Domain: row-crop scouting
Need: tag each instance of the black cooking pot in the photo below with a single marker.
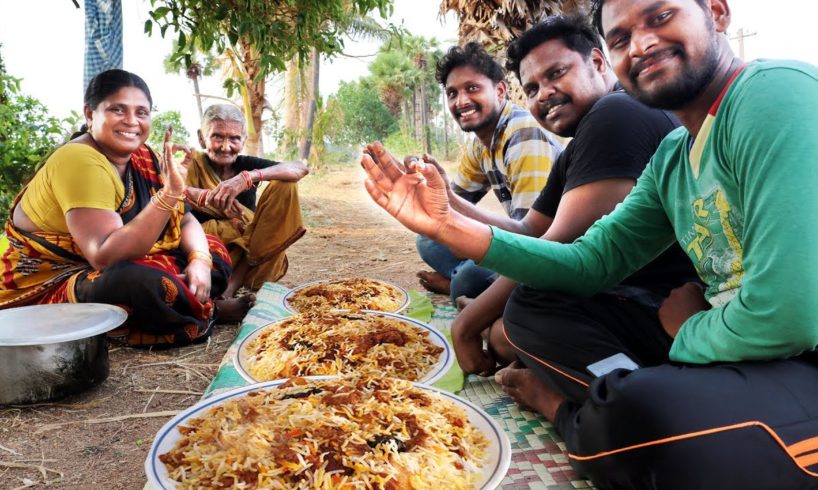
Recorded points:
(49, 351)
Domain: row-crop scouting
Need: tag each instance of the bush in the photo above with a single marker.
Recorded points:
(27, 135)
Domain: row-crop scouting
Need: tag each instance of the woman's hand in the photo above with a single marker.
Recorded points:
(415, 197)
(174, 173)
(224, 195)
(197, 278)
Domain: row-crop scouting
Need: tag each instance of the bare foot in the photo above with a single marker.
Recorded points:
(462, 302)
(234, 310)
(525, 388)
(434, 282)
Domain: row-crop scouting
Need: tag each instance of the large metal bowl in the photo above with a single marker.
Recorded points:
(50, 351)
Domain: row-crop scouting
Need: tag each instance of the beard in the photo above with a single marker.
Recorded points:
(681, 91)
(485, 122)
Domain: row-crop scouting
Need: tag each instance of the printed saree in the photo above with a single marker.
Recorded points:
(44, 268)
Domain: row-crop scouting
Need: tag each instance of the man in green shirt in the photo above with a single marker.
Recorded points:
(737, 187)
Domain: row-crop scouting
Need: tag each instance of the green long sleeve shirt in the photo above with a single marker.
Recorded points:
(742, 200)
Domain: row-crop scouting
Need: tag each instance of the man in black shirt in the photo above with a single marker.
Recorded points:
(572, 91)
(222, 192)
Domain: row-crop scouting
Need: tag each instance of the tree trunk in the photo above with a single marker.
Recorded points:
(292, 106)
(424, 120)
(253, 101)
(306, 142)
(198, 96)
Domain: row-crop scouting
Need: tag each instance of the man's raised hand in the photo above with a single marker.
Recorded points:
(417, 197)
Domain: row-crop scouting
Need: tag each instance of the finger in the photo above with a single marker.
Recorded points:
(376, 194)
(432, 175)
(388, 163)
(375, 174)
(168, 135)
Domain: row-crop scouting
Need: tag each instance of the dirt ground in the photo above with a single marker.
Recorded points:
(99, 439)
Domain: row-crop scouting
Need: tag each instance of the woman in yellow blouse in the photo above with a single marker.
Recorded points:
(104, 221)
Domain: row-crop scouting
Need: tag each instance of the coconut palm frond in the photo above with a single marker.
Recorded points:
(366, 28)
(496, 22)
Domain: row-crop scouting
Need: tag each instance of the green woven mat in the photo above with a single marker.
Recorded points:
(538, 459)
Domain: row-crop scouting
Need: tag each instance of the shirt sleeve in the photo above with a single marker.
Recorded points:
(247, 162)
(771, 147)
(613, 248)
(529, 156)
(81, 179)
(468, 180)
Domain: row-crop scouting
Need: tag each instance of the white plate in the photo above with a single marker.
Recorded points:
(498, 453)
(291, 309)
(438, 370)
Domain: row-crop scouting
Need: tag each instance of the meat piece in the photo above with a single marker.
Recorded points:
(417, 436)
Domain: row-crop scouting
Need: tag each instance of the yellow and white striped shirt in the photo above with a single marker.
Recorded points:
(516, 166)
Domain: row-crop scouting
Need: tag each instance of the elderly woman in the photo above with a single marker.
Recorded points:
(222, 193)
(104, 221)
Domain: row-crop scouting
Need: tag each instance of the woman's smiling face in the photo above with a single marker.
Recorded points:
(120, 123)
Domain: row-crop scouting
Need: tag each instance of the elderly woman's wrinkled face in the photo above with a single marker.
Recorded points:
(121, 122)
(223, 141)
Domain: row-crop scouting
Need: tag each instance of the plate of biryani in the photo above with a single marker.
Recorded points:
(347, 294)
(330, 433)
(336, 342)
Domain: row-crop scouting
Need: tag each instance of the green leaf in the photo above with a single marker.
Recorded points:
(148, 27)
(182, 41)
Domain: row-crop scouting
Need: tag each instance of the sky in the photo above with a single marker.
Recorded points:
(43, 43)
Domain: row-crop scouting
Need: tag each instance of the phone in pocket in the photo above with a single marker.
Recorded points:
(616, 361)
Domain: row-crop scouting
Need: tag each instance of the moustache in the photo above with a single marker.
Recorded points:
(459, 111)
(552, 102)
(652, 58)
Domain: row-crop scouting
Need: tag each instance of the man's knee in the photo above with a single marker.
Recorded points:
(499, 344)
(469, 279)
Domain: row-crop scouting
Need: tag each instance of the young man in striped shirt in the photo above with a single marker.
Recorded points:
(511, 154)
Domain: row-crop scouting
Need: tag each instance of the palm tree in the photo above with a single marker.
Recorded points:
(194, 69)
(301, 86)
(495, 23)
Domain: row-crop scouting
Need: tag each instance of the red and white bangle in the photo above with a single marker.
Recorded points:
(202, 198)
(247, 179)
(257, 174)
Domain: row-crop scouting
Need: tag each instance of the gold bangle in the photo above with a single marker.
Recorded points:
(159, 203)
(198, 254)
(161, 196)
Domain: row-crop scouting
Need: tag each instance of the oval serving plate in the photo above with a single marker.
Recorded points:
(404, 302)
(439, 369)
(498, 453)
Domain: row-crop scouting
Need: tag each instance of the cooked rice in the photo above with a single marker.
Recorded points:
(328, 342)
(342, 433)
(348, 294)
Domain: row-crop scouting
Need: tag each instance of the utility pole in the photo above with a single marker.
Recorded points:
(740, 37)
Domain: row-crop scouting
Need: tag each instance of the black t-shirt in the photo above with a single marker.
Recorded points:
(248, 197)
(615, 140)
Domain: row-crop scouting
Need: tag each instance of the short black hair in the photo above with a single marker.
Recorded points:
(596, 13)
(574, 30)
(473, 55)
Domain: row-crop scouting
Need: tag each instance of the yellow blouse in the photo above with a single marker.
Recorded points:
(74, 176)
